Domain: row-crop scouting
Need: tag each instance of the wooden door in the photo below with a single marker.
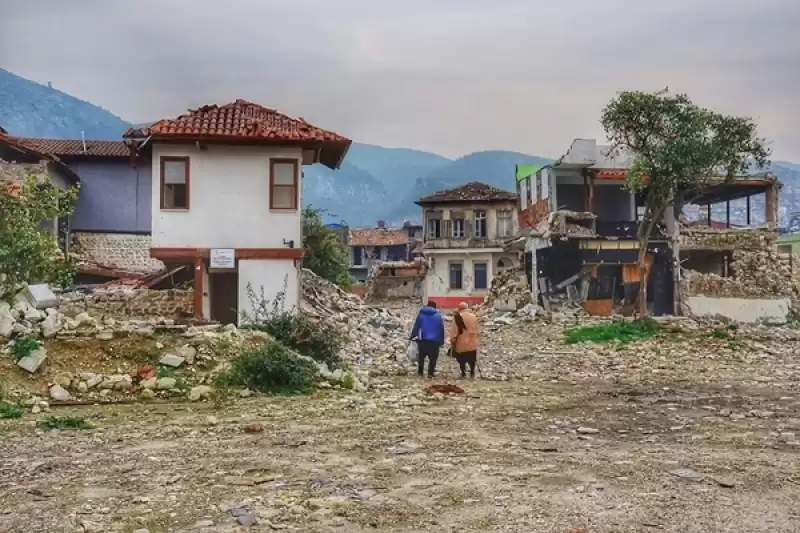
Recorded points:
(224, 296)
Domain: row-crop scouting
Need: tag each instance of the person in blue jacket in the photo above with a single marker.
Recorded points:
(428, 331)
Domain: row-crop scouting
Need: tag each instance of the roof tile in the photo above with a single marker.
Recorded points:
(239, 119)
(378, 237)
(69, 148)
(470, 192)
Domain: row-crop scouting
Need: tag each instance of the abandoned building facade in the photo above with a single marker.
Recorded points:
(580, 224)
(213, 195)
(226, 199)
(465, 229)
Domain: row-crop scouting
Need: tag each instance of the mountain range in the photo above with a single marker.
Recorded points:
(374, 183)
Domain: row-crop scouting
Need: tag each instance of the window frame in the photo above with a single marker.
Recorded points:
(295, 184)
(450, 265)
(162, 179)
(505, 223)
(430, 223)
(480, 215)
(458, 224)
(485, 266)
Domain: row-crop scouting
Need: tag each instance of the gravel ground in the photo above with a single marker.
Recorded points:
(687, 433)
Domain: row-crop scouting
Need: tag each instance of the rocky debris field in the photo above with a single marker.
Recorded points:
(695, 430)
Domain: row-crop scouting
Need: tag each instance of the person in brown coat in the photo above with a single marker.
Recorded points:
(464, 339)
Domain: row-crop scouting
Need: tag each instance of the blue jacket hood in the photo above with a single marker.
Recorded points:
(429, 326)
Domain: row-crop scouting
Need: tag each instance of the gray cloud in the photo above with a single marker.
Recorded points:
(450, 76)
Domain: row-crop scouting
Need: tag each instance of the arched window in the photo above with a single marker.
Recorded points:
(502, 264)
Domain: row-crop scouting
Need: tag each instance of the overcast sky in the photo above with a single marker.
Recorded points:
(448, 76)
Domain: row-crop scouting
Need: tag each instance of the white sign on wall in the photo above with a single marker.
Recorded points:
(223, 258)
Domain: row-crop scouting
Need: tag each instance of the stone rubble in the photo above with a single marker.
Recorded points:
(377, 336)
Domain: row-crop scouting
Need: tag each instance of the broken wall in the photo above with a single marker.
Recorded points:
(727, 239)
(125, 304)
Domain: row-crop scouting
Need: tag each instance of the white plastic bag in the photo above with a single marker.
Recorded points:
(412, 352)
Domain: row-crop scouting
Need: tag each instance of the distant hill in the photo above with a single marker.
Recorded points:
(374, 183)
(29, 109)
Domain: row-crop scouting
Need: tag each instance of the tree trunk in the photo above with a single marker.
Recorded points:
(645, 231)
(641, 298)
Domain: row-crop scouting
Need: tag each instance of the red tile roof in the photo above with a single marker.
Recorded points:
(378, 237)
(71, 148)
(244, 121)
(19, 145)
(471, 192)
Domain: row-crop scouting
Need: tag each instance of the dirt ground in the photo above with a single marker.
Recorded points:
(690, 435)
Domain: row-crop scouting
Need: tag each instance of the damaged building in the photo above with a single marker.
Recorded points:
(579, 225)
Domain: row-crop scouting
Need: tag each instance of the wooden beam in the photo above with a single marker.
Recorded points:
(199, 289)
(190, 254)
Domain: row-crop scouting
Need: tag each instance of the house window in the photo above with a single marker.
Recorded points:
(480, 224)
(456, 275)
(358, 255)
(504, 223)
(458, 228)
(283, 186)
(174, 183)
(481, 276)
(434, 228)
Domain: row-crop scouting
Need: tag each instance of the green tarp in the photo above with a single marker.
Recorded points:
(526, 171)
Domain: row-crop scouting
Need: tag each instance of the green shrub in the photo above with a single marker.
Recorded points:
(271, 368)
(313, 338)
(720, 334)
(9, 410)
(620, 330)
(66, 422)
(23, 348)
(325, 253)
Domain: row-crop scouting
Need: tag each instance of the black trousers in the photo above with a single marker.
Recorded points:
(429, 349)
(467, 358)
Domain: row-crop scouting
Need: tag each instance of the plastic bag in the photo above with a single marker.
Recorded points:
(412, 352)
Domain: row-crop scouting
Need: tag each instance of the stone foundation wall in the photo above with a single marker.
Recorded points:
(125, 304)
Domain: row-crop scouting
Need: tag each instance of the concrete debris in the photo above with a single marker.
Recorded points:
(565, 223)
(58, 393)
(200, 392)
(171, 360)
(376, 335)
(40, 296)
(33, 360)
(509, 291)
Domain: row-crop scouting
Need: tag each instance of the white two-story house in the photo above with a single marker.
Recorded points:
(226, 200)
(465, 231)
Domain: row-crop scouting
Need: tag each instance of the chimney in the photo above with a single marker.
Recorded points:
(381, 224)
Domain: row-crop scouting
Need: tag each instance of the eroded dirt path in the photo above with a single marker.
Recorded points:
(678, 436)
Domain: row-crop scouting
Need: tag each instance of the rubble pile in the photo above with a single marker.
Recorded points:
(509, 289)
(750, 239)
(756, 274)
(571, 224)
(377, 336)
